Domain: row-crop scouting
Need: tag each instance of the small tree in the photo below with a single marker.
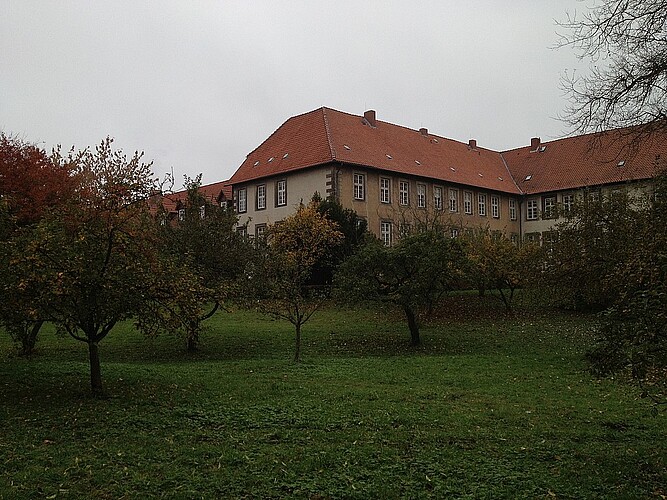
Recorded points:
(98, 257)
(494, 262)
(413, 274)
(282, 272)
(32, 184)
(206, 243)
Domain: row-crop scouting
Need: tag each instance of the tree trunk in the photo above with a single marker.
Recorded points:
(29, 337)
(95, 370)
(413, 325)
(192, 342)
(297, 347)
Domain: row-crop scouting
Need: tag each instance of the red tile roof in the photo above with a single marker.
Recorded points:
(587, 160)
(214, 193)
(326, 135)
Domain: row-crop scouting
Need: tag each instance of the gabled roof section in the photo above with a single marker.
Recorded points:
(588, 160)
(326, 135)
(300, 142)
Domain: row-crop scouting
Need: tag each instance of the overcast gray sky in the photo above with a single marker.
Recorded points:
(197, 85)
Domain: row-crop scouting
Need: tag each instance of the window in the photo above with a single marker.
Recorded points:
(437, 197)
(242, 231)
(404, 193)
(261, 197)
(281, 193)
(532, 237)
(454, 232)
(202, 211)
(531, 210)
(385, 190)
(260, 230)
(512, 209)
(359, 193)
(467, 202)
(385, 232)
(181, 214)
(242, 201)
(481, 204)
(495, 207)
(549, 207)
(568, 203)
(453, 200)
(594, 196)
(421, 195)
(404, 229)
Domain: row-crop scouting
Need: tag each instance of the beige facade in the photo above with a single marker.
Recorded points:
(392, 203)
(265, 201)
(540, 212)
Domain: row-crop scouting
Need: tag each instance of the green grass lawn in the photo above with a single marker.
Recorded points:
(486, 408)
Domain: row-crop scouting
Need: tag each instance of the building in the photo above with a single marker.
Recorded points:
(392, 175)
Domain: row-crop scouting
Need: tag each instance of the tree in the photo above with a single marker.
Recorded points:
(206, 243)
(632, 337)
(493, 261)
(281, 275)
(353, 229)
(596, 238)
(413, 274)
(97, 259)
(626, 41)
(32, 184)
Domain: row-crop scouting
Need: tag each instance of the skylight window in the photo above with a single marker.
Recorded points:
(271, 159)
(285, 155)
(435, 140)
(452, 169)
(500, 178)
(418, 162)
(542, 149)
(621, 163)
(346, 147)
(256, 163)
(480, 174)
(528, 177)
(389, 156)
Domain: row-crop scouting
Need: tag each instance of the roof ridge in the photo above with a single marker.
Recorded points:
(328, 132)
(509, 172)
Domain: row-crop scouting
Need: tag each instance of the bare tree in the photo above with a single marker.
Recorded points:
(626, 44)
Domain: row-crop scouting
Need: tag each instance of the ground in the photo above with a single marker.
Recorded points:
(486, 408)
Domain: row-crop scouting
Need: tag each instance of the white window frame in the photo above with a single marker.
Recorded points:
(549, 207)
(421, 195)
(385, 232)
(512, 209)
(181, 214)
(568, 202)
(281, 193)
(404, 193)
(385, 190)
(495, 207)
(532, 209)
(359, 182)
(467, 202)
(481, 204)
(202, 211)
(437, 197)
(261, 196)
(453, 200)
(242, 200)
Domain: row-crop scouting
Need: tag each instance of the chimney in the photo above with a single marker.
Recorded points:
(369, 116)
(472, 144)
(534, 143)
(423, 131)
